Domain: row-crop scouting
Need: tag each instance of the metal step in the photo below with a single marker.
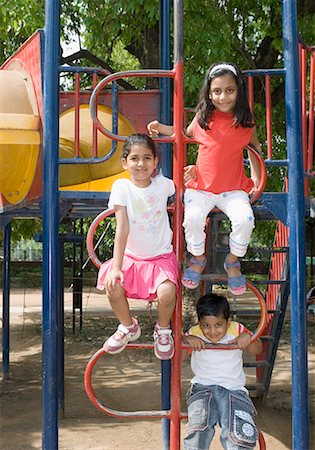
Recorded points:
(267, 338)
(251, 313)
(256, 389)
(221, 278)
(269, 250)
(262, 363)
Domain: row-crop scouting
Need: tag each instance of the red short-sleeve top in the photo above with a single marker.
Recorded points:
(220, 164)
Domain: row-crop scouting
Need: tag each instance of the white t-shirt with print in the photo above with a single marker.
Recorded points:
(219, 367)
(150, 234)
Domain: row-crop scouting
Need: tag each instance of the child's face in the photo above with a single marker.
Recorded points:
(214, 328)
(141, 164)
(223, 93)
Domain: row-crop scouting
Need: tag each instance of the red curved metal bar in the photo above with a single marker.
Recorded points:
(139, 414)
(90, 235)
(158, 73)
(109, 411)
(92, 229)
(261, 440)
(249, 285)
(108, 212)
(263, 173)
(263, 309)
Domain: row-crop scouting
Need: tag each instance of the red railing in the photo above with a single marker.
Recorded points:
(276, 270)
(76, 73)
(307, 77)
(264, 78)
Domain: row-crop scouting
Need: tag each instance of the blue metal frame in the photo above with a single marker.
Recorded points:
(51, 217)
(165, 83)
(6, 302)
(61, 332)
(166, 159)
(296, 213)
(96, 159)
(50, 227)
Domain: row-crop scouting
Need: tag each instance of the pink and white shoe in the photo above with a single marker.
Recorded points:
(118, 341)
(163, 342)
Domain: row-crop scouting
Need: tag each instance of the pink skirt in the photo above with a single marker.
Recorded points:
(142, 277)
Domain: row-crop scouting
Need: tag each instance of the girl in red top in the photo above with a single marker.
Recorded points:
(223, 126)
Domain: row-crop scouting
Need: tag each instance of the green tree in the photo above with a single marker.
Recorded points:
(18, 21)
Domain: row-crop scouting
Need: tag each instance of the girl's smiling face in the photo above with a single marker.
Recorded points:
(141, 164)
(223, 93)
(214, 328)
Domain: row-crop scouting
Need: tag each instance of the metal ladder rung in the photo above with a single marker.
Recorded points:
(245, 313)
(267, 338)
(262, 363)
(257, 387)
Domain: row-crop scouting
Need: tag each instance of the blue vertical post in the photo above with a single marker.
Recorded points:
(165, 117)
(6, 302)
(50, 227)
(300, 429)
(61, 335)
(115, 112)
(165, 83)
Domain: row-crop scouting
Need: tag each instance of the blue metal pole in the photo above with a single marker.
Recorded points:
(61, 335)
(166, 401)
(165, 83)
(296, 213)
(165, 117)
(50, 227)
(115, 112)
(6, 302)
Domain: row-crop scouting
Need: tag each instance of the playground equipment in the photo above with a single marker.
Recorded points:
(164, 414)
(89, 177)
(27, 199)
(21, 130)
(145, 414)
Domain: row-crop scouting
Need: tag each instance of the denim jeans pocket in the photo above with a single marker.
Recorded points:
(242, 427)
(198, 403)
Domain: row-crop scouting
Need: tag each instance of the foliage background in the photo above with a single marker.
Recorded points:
(125, 34)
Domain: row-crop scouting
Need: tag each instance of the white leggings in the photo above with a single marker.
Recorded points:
(235, 204)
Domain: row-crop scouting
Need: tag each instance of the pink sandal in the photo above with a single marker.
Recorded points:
(191, 278)
(236, 285)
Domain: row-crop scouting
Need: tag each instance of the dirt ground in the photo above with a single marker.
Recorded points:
(129, 381)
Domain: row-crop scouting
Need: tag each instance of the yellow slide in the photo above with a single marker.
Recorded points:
(20, 140)
(90, 177)
(19, 135)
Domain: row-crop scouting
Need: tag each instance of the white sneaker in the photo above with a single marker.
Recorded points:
(119, 340)
(163, 342)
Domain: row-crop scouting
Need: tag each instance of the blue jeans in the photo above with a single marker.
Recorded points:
(232, 410)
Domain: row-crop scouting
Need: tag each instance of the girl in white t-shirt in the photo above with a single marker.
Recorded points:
(144, 265)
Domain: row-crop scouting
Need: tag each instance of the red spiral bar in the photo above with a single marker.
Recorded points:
(132, 414)
(263, 173)
(90, 236)
(162, 414)
(109, 411)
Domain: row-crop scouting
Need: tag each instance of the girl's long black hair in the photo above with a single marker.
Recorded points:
(242, 114)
